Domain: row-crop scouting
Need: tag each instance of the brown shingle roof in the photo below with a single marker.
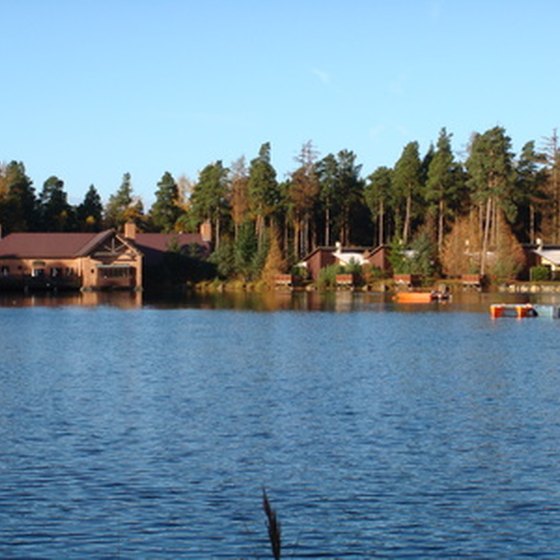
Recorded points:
(71, 245)
(45, 245)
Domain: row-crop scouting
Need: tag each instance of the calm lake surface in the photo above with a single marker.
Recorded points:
(149, 430)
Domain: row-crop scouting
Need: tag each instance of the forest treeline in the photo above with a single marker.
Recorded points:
(467, 215)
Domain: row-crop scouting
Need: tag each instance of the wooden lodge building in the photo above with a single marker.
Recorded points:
(87, 261)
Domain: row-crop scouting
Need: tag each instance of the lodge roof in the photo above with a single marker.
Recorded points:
(43, 245)
(49, 245)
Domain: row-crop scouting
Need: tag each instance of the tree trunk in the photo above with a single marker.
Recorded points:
(327, 226)
(531, 223)
(259, 228)
(217, 232)
(297, 240)
(485, 237)
(381, 233)
(441, 210)
(407, 218)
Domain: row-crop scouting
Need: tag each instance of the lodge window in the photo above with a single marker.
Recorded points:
(116, 272)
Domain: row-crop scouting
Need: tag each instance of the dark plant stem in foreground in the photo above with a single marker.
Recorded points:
(273, 526)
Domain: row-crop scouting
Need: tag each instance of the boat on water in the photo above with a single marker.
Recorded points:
(421, 297)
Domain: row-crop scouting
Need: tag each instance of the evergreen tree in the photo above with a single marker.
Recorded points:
(55, 212)
(491, 177)
(238, 193)
(123, 206)
(377, 195)
(210, 197)
(327, 172)
(552, 157)
(406, 185)
(443, 184)
(90, 211)
(246, 251)
(165, 210)
(18, 204)
(348, 192)
(530, 196)
(263, 190)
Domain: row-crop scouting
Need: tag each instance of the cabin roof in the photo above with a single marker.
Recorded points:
(552, 255)
(336, 249)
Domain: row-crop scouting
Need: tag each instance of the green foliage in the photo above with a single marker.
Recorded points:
(378, 188)
(165, 211)
(420, 258)
(327, 277)
(490, 166)
(223, 258)
(245, 251)
(209, 197)
(406, 185)
(400, 263)
(377, 196)
(424, 255)
(123, 206)
(18, 204)
(262, 186)
(540, 274)
(55, 212)
(300, 272)
(89, 213)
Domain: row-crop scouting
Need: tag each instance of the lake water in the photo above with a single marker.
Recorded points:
(150, 430)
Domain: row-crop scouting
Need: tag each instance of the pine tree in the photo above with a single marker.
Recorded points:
(327, 172)
(491, 177)
(18, 204)
(263, 190)
(406, 184)
(377, 196)
(165, 210)
(123, 206)
(55, 212)
(210, 197)
(90, 211)
(531, 197)
(443, 184)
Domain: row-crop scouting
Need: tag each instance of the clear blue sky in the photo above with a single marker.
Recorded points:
(92, 89)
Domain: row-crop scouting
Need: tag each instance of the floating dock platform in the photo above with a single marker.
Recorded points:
(517, 310)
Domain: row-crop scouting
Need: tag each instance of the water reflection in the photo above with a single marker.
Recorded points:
(124, 300)
(281, 300)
